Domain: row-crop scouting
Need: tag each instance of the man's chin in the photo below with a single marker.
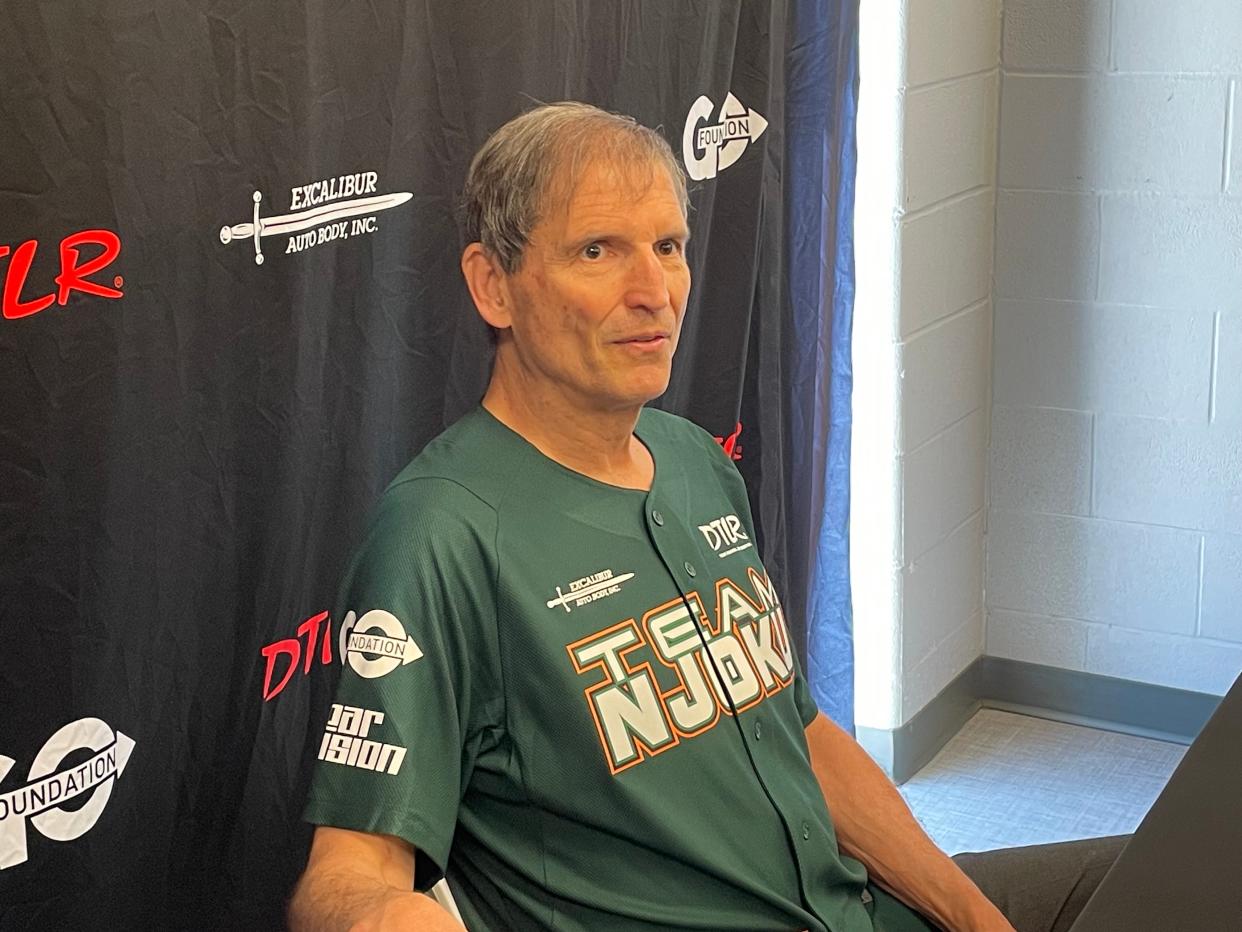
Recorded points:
(650, 390)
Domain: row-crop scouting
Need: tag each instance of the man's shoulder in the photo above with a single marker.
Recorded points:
(446, 497)
(464, 461)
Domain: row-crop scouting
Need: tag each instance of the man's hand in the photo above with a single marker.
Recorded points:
(363, 883)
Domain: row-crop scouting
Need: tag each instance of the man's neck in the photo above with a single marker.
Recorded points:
(598, 444)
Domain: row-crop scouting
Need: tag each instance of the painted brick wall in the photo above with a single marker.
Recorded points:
(945, 249)
(1114, 532)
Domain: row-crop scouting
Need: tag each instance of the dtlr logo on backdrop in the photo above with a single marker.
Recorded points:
(73, 274)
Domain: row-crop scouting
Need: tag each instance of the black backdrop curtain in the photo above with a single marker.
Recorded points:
(231, 313)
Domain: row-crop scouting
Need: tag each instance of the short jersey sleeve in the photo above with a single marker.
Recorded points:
(417, 690)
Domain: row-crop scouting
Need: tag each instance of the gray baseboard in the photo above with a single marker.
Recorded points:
(1046, 692)
(902, 751)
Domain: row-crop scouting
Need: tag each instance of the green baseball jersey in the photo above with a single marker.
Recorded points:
(581, 700)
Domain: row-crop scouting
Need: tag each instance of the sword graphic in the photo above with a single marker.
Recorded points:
(564, 598)
(305, 219)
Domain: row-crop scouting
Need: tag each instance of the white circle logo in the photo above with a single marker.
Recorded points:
(376, 643)
(709, 148)
(41, 799)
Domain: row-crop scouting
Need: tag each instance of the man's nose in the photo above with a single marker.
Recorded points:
(646, 281)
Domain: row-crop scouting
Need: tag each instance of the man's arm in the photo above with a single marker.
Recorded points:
(875, 825)
(362, 883)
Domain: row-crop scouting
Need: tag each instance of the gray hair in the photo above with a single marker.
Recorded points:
(514, 175)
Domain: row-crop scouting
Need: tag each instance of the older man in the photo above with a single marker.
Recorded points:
(560, 689)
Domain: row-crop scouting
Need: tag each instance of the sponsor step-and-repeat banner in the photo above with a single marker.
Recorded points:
(232, 311)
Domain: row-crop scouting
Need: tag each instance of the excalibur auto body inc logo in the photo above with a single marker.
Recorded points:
(48, 789)
(709, 148)
(589, 589)
(319, 215)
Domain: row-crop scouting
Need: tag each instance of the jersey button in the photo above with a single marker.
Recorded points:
(758, 730)
(690, 568)
(806, 831)
(657, 518)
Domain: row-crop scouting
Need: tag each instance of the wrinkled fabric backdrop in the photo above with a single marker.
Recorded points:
(191, 438)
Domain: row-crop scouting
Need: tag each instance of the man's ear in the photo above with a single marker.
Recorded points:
(489, 286)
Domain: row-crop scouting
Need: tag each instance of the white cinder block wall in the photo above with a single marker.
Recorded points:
(925, 214)
(945, 334)
(1114, 539)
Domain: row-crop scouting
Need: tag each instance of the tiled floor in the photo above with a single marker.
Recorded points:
(1008, 779)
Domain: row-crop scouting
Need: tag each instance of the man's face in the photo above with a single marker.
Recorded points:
(601, 292)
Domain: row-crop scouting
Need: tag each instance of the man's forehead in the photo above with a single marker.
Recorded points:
(603, 185)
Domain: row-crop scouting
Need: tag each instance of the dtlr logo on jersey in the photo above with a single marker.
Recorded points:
(376, 643)
(345, 741)
(725, 532)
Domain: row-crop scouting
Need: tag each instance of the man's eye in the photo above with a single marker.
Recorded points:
(669, 247)
(593, 251)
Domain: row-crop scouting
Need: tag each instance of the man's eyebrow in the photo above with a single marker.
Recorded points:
(578, 240)
(680, 232)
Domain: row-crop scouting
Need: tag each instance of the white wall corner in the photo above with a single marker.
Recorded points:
(875, 468)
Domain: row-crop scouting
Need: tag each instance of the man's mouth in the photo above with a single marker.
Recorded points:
(645, 340)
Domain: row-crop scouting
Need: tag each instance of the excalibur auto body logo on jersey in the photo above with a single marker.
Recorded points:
(589, 589)
(326, 211)
(376, 643)
(48, 789)
(710, 147)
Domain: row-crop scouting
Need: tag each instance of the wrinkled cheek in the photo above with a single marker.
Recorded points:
(568, 319)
